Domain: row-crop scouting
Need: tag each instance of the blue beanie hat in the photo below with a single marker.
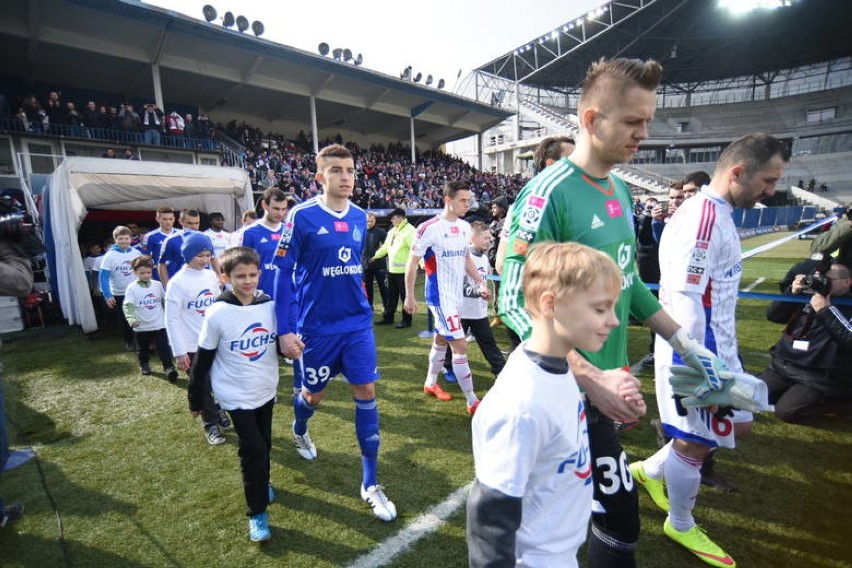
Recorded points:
(193, 244)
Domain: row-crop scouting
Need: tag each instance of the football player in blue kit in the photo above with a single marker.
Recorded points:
(264, 235)
(323, 313)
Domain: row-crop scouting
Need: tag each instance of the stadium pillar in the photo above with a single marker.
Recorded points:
(158, 86)
(479, 137)
(313, 100)
(517, 112)
(413, 155)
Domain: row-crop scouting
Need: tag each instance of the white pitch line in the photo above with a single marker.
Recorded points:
(754, 284)
(420, 527)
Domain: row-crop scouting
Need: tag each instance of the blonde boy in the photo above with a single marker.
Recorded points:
(532, 497)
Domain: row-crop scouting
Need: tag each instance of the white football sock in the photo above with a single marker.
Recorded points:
(654, 465)
(683, 479)
(462, 370)
(437, 354)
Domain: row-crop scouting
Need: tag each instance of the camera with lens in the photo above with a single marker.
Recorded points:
(15, 222)
(817, 282)
(17, 228)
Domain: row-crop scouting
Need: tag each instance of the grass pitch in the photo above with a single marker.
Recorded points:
(125, 476)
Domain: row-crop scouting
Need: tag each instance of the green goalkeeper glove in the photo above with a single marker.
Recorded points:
(739, 390)
(706, 363)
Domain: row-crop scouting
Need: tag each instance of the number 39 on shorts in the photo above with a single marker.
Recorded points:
(314, 376)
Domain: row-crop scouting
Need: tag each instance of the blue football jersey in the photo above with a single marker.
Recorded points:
(153, 243)
(323, 248)
(170, 253)
(265, 242)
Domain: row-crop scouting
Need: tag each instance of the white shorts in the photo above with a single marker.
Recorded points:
(447, 322)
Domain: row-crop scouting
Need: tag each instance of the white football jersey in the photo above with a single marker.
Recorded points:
(700, 255)
(220, 240)
(444, 246)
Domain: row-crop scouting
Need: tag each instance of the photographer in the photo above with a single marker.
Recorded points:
(812, 362)
(16, 279)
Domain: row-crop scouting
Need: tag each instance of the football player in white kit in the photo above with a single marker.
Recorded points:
(443, 242)
(700, 267)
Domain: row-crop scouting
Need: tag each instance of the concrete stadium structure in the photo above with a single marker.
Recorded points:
(786, 71)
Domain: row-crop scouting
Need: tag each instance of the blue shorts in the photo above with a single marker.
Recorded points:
(326, 356)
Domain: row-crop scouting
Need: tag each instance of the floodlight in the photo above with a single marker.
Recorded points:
(740, 7)
(359, 60)
(418, 77)
(347, 54)
(209, 12)
(441, 83)
(323, 49)
(242, 23)
(337, 53)
(428, 79)
(406, 74)
(257, 28)
(228, 20)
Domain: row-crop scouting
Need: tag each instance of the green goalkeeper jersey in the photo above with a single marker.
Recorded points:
(564, 204)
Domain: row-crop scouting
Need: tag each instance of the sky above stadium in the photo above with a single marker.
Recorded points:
(441, 37)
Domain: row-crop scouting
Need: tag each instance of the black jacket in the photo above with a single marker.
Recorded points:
(375, 237)
(817, 341)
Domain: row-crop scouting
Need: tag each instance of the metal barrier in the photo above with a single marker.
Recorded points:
(118, 136)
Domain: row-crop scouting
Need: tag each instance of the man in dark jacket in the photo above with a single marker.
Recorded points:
(812, 362)
(499, 208)
(375, 269)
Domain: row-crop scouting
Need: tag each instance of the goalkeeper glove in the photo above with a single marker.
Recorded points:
(701, 359)
(740, 390)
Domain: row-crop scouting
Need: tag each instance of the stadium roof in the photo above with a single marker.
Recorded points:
(112, 45)
(694, 40)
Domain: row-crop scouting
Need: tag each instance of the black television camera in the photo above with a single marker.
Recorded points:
(17, 228)
(14, 220)
(817, 282)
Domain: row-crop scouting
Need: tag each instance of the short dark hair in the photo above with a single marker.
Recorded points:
(141, 261)
(274, 193)
(451, 188)
(699, 178)
(217, 215)
(238, 255)
(753, 150)
(550, 149)
(190, 213)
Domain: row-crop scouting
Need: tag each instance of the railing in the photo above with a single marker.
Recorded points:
(125, 137)
(233, 153)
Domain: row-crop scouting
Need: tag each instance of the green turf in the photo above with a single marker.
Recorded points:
(135, 484)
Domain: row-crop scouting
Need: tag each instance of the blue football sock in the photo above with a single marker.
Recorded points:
(367, 431)
(297, 374)
(302, 411)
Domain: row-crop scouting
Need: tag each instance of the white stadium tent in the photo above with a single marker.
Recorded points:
(80, 184)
